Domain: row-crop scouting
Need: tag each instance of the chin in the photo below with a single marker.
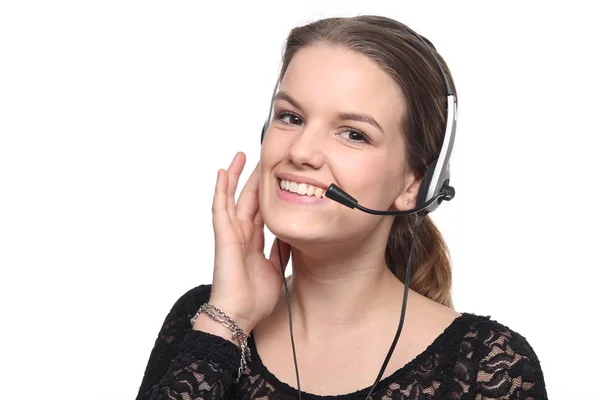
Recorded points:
(295, 227)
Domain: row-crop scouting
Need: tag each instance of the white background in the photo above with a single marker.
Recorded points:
(116, 115)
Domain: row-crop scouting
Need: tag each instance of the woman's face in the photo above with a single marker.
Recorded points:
(336, 119)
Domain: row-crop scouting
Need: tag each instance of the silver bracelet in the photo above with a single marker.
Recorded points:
(237, 333)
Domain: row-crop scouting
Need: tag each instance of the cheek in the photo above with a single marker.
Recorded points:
(373, 181)
(273, 148)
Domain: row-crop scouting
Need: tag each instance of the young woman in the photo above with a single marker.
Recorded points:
(361, 103)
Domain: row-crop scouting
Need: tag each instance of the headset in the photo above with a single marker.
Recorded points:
(434, 189)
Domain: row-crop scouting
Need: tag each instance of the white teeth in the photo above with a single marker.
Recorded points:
(302, 189)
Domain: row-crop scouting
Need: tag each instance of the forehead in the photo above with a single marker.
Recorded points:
(333, 78)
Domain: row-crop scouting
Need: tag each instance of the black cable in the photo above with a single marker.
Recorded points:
(287, 298)
(404, 302)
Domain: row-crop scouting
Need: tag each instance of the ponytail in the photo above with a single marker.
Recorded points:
(431, 274)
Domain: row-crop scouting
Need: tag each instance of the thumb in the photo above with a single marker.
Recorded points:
(285, 249)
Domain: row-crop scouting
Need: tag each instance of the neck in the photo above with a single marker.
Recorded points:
(338, 291)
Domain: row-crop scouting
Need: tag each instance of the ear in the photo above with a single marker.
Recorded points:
(409, 194)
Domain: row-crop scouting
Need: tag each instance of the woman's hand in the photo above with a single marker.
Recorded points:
(246, 285)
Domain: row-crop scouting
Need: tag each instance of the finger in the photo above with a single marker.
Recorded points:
(285, 254)
(219, 206)
(233, 172)
(248, 201)
(258, 238)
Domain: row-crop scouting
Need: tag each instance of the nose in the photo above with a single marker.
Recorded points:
(307, 148)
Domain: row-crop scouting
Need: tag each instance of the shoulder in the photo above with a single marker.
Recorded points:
(492, 339)
(501, 361)
(190, 301)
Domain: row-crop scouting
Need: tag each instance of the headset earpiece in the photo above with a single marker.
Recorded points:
(425, 184)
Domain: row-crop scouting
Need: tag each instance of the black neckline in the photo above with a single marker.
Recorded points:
(441, 342)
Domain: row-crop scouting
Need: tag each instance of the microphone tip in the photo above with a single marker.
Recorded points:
(335, 193)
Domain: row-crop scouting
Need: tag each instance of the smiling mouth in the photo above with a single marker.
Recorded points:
(301, 189)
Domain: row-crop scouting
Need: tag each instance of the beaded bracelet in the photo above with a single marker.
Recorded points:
(236, 333)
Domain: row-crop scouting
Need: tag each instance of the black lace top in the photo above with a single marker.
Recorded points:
(474, 358)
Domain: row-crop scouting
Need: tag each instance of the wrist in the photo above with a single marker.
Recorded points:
(246, 324)
(238, 336)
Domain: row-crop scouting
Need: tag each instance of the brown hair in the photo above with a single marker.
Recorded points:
(398, 50)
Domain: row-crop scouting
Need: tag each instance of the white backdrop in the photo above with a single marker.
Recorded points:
(116, 115)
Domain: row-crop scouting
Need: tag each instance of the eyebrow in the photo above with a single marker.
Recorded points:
(347, 116)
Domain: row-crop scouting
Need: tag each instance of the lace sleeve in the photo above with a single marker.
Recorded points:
(508, 367)
(188, 364)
